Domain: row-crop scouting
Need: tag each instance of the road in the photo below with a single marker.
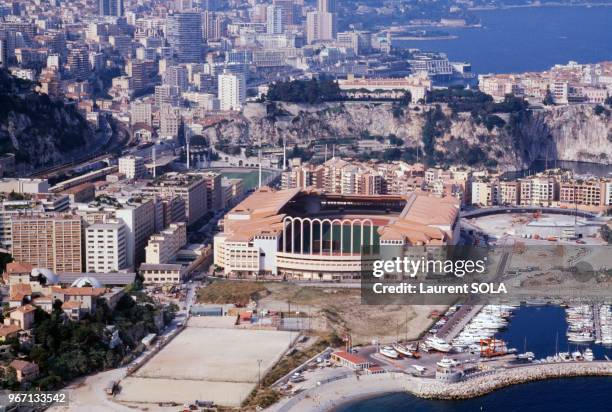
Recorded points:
(88, 393)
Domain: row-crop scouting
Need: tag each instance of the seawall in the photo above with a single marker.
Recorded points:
(328, 396)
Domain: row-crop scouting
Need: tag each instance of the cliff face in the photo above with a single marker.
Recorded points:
(572, 133)
(40, 132)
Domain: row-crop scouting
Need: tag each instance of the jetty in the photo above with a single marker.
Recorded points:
(597, 323)
(458, 321)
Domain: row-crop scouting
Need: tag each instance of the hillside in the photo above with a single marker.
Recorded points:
(40, 132)
(510, 137)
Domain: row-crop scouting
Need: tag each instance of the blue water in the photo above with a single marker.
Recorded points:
(560, 395)
(526, 39)
(544, 326)
(541, 325)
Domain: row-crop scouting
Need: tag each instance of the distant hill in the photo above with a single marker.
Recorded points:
(38, 130)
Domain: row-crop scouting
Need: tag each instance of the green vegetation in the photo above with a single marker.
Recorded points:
(549, 100)
(297, 151)
(484, 111)
(599, 110)
(65, 350)
(5, 258)
(304, 91)
(433, 128)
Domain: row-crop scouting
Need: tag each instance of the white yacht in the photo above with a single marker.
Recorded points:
(577, 356)
(588, 355)
(403, 350)
(438, 344)
(580, 337)
(389, 352)
(446, 363)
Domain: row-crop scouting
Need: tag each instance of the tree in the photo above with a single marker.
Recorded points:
(548, 98)
(406, 99)
(8, 377)
(599, 110)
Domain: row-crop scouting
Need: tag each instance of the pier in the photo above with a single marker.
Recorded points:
(458, 321)
(597, 323)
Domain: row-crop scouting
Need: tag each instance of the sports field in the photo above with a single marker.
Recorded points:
(206, 363)
(250, 179)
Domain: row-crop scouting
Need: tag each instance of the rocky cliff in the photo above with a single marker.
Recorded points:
(574, 133)
(39, 131)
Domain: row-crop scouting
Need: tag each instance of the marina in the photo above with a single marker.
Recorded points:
(493, 346)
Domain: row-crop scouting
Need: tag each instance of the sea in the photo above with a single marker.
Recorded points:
(528, 39)
(541, 329)
(519, 40)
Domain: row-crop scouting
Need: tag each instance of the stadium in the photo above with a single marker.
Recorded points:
(305, 234)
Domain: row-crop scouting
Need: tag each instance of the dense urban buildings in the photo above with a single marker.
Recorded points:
(218, 177)
(563, 84)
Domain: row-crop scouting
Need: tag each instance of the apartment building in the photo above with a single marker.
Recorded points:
(583, 192)
(132, 167)
(485, 193)
(232, 91)
(538, 191)
(190, 187)
(141, 221)
(106, 247)
(509, 192)
(164, 246)
(51, 241)
(214, 195)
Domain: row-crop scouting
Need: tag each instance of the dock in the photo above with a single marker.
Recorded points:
(597, 323)
(458, 321)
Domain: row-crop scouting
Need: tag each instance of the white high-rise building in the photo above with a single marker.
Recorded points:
(320, 25)
(140, 222)
(232, 91)
(327, 6)
(106, 247)
(140, 112)
(164, 246)
(131, 166)
(274, 20)
(169, 121)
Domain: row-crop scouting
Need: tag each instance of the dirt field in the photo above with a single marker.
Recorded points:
(340, 310)
(219, 365)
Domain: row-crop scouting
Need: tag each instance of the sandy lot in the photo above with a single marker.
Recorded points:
(208, 363)
(152, 391)
(340, 310)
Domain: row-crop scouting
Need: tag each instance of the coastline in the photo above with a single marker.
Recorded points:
(331, 396)
(417, 38)
(537, 6)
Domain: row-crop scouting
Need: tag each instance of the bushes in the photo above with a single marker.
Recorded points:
(304, 91)
(66, 350)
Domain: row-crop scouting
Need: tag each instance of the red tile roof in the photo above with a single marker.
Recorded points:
(356, 359)
(7, 330)
(18, 267)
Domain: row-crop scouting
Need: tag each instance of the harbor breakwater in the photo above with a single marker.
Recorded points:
(487, 382)
(331, 395)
